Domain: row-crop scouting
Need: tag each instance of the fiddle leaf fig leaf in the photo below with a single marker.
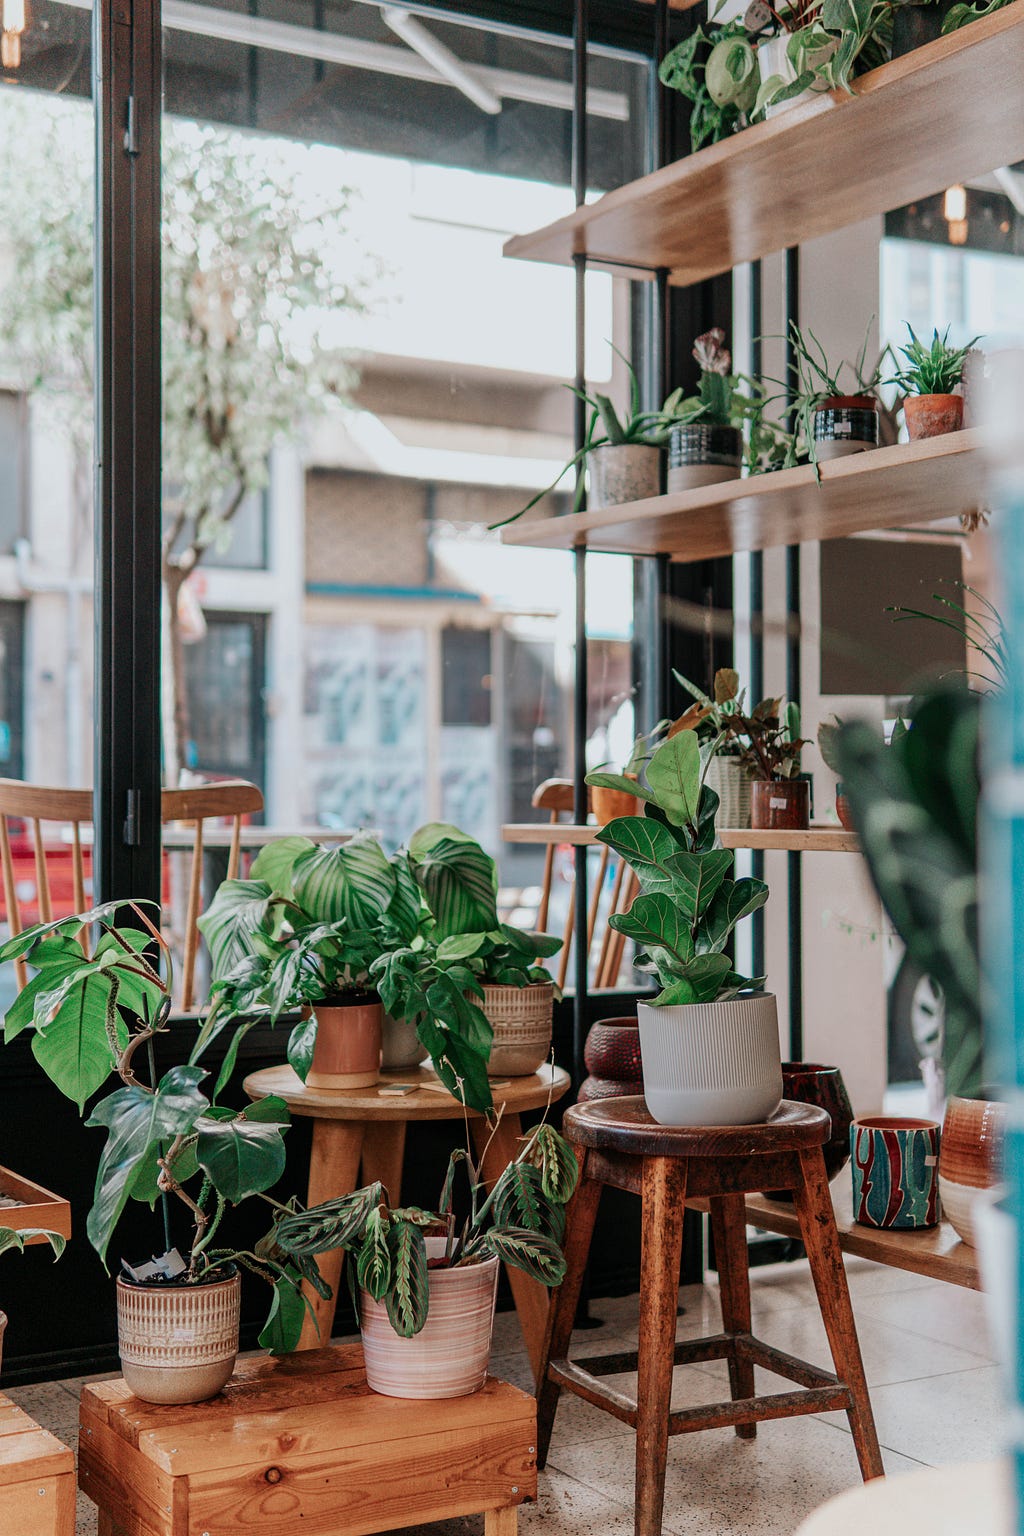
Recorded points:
(674, 776)
(656, 922)
(646, 845)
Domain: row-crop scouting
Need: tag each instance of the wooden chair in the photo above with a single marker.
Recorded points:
(556, 797)
(53, 894)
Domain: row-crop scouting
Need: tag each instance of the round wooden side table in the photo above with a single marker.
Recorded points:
(365, 1128)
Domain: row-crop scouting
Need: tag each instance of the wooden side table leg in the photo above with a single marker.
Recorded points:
(729, 1229)
(502, 1522)
(579, 1228)
(383, 1155)
(333, 1170)
(532, 1299)
(818, 1229)
(664, 1194)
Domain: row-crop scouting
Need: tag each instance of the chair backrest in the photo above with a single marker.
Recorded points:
(49, 879)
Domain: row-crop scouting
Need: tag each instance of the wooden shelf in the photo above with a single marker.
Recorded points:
(934, 1251)
(40, 1207)
(880, 488)
(813, 840)
(942, 114)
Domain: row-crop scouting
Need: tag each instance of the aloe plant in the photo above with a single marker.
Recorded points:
(689, 904)
(521, 1222)
(934, 368)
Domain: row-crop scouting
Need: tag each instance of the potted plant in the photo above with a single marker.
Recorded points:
(727, 772)
(930, 380)
(91, 1015)
(764, 744)
(607, 800)
(834, 423)
(427, 1280)
(466, 965)
(717, 71)
(17, 1240)
(828, 737)
(709, 1040)
(818, 47)
(705, 430)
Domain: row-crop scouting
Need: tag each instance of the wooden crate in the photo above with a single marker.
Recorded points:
(300, 1442)
(42, 1208)
(37, 1478)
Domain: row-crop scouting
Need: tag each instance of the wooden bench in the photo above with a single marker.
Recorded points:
(299, 1442)
(37, 1477)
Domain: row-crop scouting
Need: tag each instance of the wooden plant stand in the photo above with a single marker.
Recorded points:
(299, 1442)
(37, 1477)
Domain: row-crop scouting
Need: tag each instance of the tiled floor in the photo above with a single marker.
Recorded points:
(934, 1388)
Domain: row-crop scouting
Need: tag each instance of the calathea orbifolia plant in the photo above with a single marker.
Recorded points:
(689, 904)
(521, 1222)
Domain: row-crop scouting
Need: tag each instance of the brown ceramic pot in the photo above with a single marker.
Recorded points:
(933, 415)
(178, 1343)
(612, 1057)
(782, 805)
(843, 810)
(348, 1045)
(808, 1082)
(521, 1020)
(608, 804)
(970, 1158)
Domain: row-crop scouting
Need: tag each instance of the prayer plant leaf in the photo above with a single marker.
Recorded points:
(409, 1292)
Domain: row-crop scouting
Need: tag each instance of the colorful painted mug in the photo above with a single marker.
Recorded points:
(895, 1171)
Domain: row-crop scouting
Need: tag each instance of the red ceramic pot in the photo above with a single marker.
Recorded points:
(808, 1082)
(612, 1056)
(780, 805)
(933, 415)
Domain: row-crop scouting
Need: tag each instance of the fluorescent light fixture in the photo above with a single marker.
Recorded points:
(448, 65)
(354, 53)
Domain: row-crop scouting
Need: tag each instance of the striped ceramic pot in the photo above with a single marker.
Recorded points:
(521, 1020)
(895, 1171)
(450, 1354)
(712, 1063)
(178, 1343)
(728, 778)
(970, 1158)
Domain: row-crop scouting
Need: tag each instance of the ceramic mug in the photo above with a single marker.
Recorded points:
(895, 1171)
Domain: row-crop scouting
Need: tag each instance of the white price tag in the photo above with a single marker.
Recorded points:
(777, 805)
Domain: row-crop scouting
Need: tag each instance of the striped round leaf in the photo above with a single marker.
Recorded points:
(354, 881)
(240, 910)
(275, 863)
(408, 1295)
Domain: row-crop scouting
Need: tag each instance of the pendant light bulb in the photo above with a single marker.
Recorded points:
(12, 25)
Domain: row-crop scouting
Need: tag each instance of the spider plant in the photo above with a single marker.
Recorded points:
(985, 635)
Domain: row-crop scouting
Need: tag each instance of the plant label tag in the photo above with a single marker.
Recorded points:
(757, 16)
(777, 805)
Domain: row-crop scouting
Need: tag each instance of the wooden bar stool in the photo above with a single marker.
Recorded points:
(618, 1143)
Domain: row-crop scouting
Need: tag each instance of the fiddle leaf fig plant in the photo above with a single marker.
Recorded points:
(689, 904)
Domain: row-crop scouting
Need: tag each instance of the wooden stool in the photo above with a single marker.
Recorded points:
(618, 1143)
(37, 1477)
(299, 1442)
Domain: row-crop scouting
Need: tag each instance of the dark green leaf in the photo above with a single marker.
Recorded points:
(408, 1295)
(241, 1157)
(532, 1252)
(301, 1044)
(283, 1327)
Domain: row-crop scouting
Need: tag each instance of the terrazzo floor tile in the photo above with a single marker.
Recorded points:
(936, 1311)
(940, 1419)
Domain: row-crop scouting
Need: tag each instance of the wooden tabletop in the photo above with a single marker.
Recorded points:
(821, 839)
(426, 1103)
(184, 835)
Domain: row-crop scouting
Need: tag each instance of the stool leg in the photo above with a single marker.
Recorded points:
(333, 1170)
(579, 1228)
(664, 1192)
(729, 1229)
(818, 1229)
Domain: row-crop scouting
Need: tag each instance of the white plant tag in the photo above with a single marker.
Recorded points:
(777, 805)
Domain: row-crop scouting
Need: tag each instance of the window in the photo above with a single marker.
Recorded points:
(13, 468)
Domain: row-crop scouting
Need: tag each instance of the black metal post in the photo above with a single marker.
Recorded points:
(757, 606)
(580, 698)
(127, 90)
(794, 870)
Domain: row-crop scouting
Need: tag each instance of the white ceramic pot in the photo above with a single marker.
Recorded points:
(400, 1046)
(450, 1354)
(178, 1342)
(621, 472)
(521, 1020)
(726, 776)
(773, 59)
(712, 1063)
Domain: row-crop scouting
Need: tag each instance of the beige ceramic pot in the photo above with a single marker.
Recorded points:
(348, 1046)
(970, 1158)
(621, 472)
(400, 1045)
(521, 1020)
(178, 1342)
(449, 1356)
(728, 778)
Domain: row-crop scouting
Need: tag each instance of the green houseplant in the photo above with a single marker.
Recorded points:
(427, 1279)
(765, 743)
(716, 70)
(928, 379)
(709, 1039)
(706, 430)
(831, 423)
(90, 1015)
(819, 47)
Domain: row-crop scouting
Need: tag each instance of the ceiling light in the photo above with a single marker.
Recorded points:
(12, 25)
(954, 207)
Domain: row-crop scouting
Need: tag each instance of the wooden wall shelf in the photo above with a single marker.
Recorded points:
(41, 1208)
(939, 115)
(881, 488)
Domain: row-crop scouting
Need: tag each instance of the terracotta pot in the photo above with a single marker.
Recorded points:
(178, 1342)
(808, 1082)
(845, 424)
(450, 1354)
(400, 1046)
(348, 1045)
(933, 415)
(970, 1158)
(712, 1063)
(612, 1057)
(608, 804)
(728, 778)
(621, 472)
(521, 1020)
(781, 805)
(843, 810)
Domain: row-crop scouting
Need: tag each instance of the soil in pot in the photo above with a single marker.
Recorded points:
(178, 1343)
(621, 472)
(348, 1042)
(845, 424)
(699, 454)
(712, 1063)
(450, 1354)
(780, 805)
(970, 1158)
(521, 1020)
(612, 1057)
(809, 1082)
(933, 415)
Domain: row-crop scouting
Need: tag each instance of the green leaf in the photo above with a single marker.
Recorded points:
(275, 863)
(373, 1266)
(701, 984)
(137, 1121)
(674, 775)
(599, 780)
(519, 1200)
(734, 900)
(301, 1044)
(238, 912)
(459, 946)
(646, 845)
(549, 1152)
(408, 1295)
(696, 877)
(657, 921)
(536, 1255)
(281, 1332)
(353, 881)
(72, 1044)
(459, 880)
(241, 1157)
(18, 1239)
(405, 909)
(333, 1224)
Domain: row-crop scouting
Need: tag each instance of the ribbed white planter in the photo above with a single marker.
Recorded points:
(521, 1020)
(712, 1063)
(450, 1354)
(727, 777)
(178, 1342)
